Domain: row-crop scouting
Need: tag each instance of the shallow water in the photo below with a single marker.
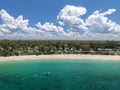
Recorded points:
(60, 75)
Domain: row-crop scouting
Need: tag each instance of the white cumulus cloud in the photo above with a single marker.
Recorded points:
(49, 27)
(10, 23)
(71, 26)
(99, 23)
(69, 16)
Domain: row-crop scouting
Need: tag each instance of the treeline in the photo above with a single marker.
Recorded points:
(21, 47)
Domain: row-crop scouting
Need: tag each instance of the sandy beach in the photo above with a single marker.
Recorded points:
(65, 56)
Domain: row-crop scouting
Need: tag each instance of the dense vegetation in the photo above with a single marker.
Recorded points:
(19, 47)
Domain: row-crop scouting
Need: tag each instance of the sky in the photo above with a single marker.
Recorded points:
(60, 19)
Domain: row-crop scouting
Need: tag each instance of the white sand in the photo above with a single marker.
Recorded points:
(65, 56)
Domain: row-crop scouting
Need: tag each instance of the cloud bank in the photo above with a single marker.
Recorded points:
(71, 25)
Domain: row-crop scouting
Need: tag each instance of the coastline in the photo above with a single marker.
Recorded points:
(61, 56)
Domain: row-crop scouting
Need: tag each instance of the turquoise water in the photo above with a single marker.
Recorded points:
(60, 75)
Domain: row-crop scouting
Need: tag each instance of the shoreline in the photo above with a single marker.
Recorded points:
(61, 56)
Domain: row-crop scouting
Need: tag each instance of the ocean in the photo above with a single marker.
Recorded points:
(60, 75)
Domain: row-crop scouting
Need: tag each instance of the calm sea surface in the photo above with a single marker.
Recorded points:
(60, 75)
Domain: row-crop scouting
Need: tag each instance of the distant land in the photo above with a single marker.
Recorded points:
(48, 47)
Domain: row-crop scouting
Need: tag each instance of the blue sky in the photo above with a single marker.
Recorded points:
(46, 19)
